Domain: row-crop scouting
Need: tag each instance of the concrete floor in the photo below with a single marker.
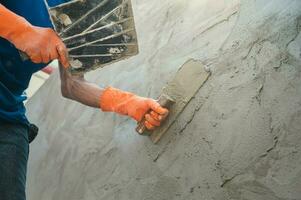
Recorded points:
(239, 138)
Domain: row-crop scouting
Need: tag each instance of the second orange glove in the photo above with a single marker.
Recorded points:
(125, 103)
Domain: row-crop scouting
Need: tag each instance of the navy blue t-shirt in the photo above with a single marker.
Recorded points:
(15, 74)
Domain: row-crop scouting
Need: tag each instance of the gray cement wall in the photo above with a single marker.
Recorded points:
(239, 138)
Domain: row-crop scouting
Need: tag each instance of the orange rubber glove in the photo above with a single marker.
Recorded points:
(41, 45)
(125, 103)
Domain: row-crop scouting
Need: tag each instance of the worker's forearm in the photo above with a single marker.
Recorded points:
(82, 91)
(76, 88)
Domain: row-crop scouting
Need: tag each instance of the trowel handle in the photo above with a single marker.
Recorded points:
(166, 102)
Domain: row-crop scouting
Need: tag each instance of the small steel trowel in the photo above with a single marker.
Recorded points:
(177, 94)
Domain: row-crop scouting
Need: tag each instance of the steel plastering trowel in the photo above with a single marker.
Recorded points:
(96, 32)
(177, 94)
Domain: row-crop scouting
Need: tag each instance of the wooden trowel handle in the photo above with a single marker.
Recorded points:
(166, 102)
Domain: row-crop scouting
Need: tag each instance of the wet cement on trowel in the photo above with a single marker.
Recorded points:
(238, 138)
(182, 88)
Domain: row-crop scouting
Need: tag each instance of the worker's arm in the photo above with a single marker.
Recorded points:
(42, 45)
(111, 99)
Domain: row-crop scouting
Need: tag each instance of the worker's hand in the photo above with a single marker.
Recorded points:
(114, 100)
(137, 107)
(41, 45)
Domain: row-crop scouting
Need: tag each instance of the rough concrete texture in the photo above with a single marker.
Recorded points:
(239, 138)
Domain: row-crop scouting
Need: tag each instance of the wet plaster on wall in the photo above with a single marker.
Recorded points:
(239, 138)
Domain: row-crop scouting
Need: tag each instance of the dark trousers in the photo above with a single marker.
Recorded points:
(14, 150)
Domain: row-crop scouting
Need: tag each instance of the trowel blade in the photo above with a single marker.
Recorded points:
(187, 81)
